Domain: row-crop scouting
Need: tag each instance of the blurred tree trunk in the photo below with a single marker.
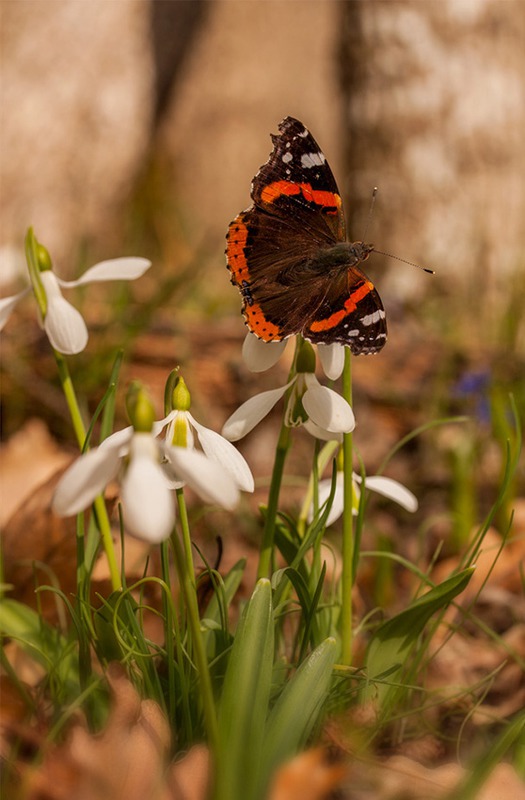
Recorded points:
(434, 111)
(174, 27)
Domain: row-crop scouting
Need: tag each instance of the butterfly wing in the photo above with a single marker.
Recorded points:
(268, 257)
(297, 174)
(351, 313)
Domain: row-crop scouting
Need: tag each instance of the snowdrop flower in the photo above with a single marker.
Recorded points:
(63, 324)
(147, 469)
(259, 355)
(133, 456)
(324, 413)
(220, 454)
(377, 483)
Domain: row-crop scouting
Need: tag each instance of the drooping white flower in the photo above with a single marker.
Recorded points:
(260, 356)
(63, 324)
(135, 459)
(148, 468)
(324, 413)
(387, 487)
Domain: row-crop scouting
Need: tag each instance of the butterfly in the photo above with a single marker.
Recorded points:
(289, 258)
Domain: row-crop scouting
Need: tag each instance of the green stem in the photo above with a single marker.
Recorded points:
(347, 577)
(265, 557)
(168, 627)
(184, 566)
(99, 504)
(186, 537)
(283, 443)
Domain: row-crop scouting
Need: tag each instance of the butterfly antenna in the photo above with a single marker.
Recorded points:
(404, 260)
(380, 252)
(370, 212)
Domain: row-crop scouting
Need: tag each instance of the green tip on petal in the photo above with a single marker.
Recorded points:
(140, 408)
(180, 398)
(43, 258)
(306, 358)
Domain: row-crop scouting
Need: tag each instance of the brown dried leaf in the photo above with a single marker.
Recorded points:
(28, 460)
(125, 762)
(39, 548)
(309, 776)
(189, 777)
(401, 777)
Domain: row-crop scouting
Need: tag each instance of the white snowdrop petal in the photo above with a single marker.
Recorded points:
(63, 324)
(114, 269)
(7, 305)
(324, 493)
(328, 409)
(260, 356)
(320, 433)
(251, 413)
(159, 425)
(147, 502)
(119, 440)
(206, 477)
(223, 452)
(393, 490)
(85, 479)
(332, 357)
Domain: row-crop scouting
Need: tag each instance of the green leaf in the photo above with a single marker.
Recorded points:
(298, 707)
(391, 644)
(244, 702)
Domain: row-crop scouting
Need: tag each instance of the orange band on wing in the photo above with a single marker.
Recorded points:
(273, 191)
(258, 323)
(237, 238)
(349, 306)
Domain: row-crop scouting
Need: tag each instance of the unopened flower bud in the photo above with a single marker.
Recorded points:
(181, 398)
(306, 358)
(140, 408)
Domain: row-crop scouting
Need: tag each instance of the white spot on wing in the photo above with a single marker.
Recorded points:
(287, 157)
(312, 160)
(370, 319)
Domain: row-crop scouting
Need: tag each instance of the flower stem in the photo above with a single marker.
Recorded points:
(348, 533)
(283, 443)
(101, 513)
(184, 565)
(265, 557)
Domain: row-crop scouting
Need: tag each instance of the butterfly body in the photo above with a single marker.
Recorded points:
(289, 258)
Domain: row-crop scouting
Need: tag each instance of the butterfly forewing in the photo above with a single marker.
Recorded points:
(298, 174)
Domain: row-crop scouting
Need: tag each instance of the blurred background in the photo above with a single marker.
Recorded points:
(136, 128)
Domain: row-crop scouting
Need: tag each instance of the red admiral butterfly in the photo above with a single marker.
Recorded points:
(289, 258)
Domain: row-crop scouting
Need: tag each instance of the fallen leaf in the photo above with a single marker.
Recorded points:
(308, 776)
(126, 761)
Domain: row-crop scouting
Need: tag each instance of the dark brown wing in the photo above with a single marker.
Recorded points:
(268, 258)
(351, 313)
(297, 174)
